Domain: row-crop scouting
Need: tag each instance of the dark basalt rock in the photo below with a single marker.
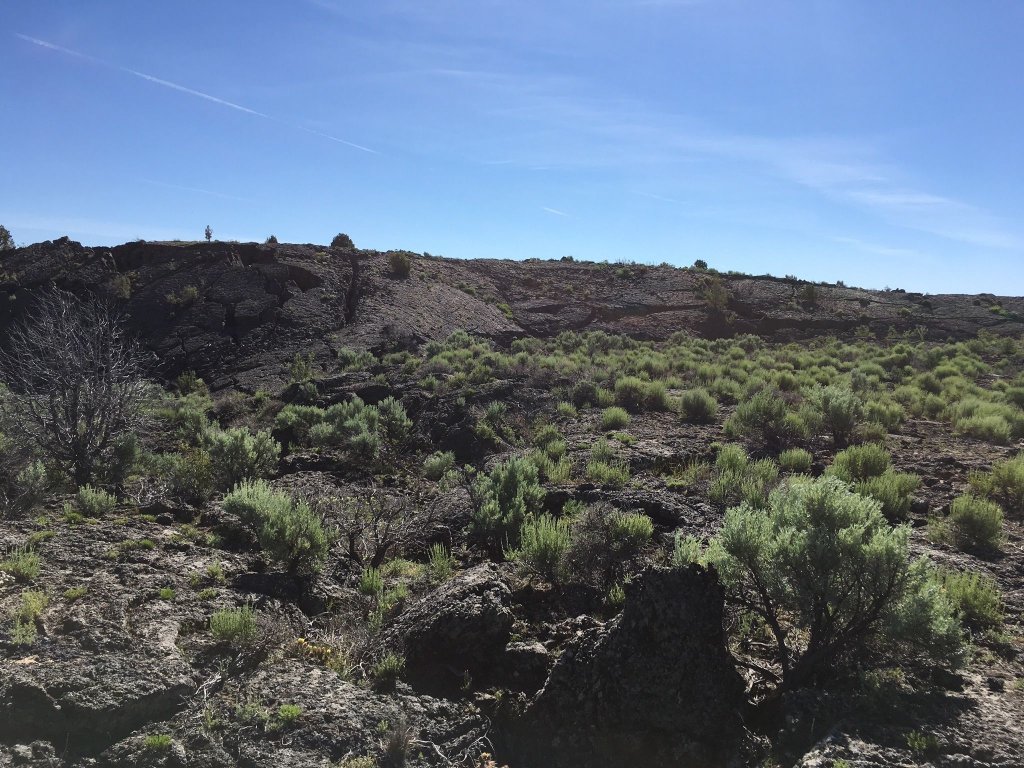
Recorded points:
(655, 686)
(458, 629)
(88, 702)
(338, 719)
(236, 313)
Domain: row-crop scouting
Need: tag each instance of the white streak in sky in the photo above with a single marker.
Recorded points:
(200, 190)
(335, 138)
(191, 92)
(186, 90)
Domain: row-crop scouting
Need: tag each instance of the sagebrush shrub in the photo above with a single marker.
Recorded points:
(885, 412)
(629, 532)
(731, 458)
(603, 544)
(976, 523)
(698, 407)
(840, 411)
(557, 471)
(31, 485)
(543, 542)
(23, 633)
(32, 604)
(252, 500)
(736, 478)
(362, 429)
(764, 417)
(893, 490)
(238, 454)
(976, 597)
(190, 475)
(860, 462)
(545, 435)
(991, 429)
(394, 423)
(288, 531)
(236, 626)
(438, 464)
(614, 418)
(796, 461)
(583, 394)
(94, 502)
(23, 563)
(298, 420)
(1015, 396)
(872, 432)
(294, 535)
(504, 497)
(566, 410)
(400, 263)
(1004, 483)
(606, 467)
(823, 560)
(636, 395)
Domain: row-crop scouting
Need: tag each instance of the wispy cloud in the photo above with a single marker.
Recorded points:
(880, 250)
(85, 228)
(591, 134)
(663, 3)
(186, 90)
(662, 198)
(197, 190)
(935, 214)
(555, 211)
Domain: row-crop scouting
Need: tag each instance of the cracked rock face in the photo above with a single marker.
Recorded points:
(655, 686)
(338, 719)
(460, 628)
(91, 701)
(236, 312)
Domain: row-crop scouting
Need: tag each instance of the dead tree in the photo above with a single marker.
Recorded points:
(75, 381)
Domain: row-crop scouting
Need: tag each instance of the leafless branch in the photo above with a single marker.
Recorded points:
(75, 379)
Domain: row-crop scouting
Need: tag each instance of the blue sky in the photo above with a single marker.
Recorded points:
(877, 142)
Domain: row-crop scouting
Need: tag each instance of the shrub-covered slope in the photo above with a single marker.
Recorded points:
(233, 312)
(496, 513)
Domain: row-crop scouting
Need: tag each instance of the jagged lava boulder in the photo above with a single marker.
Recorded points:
(655, 686)
(461, 627)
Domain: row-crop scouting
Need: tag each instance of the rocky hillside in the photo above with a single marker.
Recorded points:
(235, 312)
(472, 515)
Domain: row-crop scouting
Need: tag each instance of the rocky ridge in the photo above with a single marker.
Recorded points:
(237, 312)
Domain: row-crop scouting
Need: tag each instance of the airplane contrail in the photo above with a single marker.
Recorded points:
(184, 89)
(191, 92)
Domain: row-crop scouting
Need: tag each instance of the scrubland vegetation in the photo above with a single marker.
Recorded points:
(795, 471)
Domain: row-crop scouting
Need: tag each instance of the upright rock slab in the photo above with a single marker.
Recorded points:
(460, 628)
(655, 686)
